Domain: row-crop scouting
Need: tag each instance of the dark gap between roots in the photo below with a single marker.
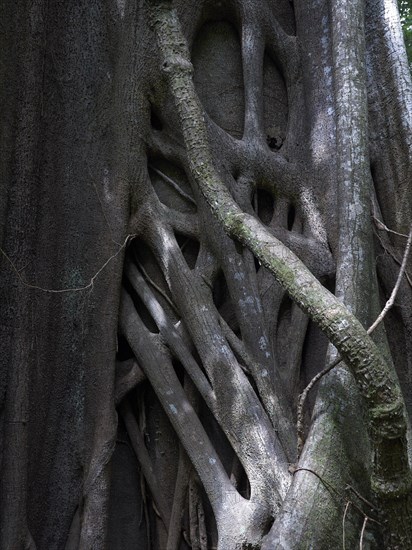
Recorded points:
(155, 121)
(257, 263)
(145, 260)
(223, 302)
(291, 217)
(189, 247)
(124, 351)
(265, 205)
(179, 370)
(314, 350)
(141, 309)
(224, 449)
(171, 185)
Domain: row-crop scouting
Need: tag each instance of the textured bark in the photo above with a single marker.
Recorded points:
(391, 474)
(151, 361)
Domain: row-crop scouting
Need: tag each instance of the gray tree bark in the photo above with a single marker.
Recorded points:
(184, 229)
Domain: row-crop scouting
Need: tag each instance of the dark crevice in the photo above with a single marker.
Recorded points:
(225, 451)
(220, 290)
(141, 309)
(291, 217)
(145, 260)
(211, 527)
(313, 359)
(268, 526)
(223, 303)
(155, 121)
(190, 249)
(285, 310)
(239, 247)
(216, 11)
(171, 185)
(179, 370)
(240, 479)
(275, 142)
(124, 351)
(137, 398)
(257, 264)
(265, 204)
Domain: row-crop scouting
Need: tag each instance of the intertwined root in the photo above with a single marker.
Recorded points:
(215, 336)
(199, 312)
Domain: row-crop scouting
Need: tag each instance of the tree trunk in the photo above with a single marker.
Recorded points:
(195, 212)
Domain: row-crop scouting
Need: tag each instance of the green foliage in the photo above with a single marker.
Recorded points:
(405, 10)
